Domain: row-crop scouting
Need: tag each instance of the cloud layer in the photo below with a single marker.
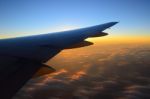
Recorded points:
(114, 72)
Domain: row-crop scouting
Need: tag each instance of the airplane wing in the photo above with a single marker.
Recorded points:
(22, 57)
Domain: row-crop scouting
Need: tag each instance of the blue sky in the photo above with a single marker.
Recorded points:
(41, 16)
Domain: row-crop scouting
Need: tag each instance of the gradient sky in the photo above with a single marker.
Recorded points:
(29, 17)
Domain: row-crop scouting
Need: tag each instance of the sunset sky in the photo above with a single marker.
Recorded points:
(114, 67)
(28, 17)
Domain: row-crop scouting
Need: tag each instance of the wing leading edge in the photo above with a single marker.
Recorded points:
(21, 57)
(39, 47)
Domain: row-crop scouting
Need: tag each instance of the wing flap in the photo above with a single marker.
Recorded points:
(43, 71)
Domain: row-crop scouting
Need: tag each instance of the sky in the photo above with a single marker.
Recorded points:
(28, 17)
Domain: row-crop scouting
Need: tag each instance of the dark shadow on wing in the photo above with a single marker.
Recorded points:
(17, 74)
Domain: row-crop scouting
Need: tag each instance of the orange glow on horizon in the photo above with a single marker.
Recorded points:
(121, 39)
(106, 39)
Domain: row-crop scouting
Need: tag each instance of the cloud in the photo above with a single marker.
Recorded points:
(115, 74)
(136, 92)
(77, 75)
